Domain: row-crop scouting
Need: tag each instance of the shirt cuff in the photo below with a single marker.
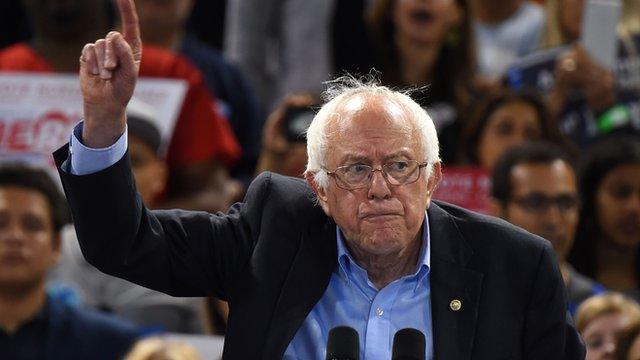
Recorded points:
(86, 160)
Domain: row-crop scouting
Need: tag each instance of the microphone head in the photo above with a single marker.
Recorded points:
(408, 344)
(343, 344)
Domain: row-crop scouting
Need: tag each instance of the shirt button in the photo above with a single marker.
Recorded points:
(379, 311)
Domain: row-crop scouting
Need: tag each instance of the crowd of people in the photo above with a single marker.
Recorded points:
(512, 90)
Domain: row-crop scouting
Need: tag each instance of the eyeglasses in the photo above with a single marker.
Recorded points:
(357, 176)
(540, 204)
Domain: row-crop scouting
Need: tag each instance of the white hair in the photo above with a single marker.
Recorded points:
(346, 87)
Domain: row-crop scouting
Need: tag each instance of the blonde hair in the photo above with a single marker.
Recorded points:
(605, 304)
(155, 348)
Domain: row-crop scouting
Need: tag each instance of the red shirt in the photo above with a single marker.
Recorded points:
(201, 133)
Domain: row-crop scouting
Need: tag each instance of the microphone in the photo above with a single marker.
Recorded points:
(343, 344)
(408, 344)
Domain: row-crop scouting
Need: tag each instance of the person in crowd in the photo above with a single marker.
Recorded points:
(154, 348)
(296, 259)
(505, 119)
(164, 24)
(33, 323)
(505, 30)
(202, 144)
(283, 47)
(428, 44)
(628, 342)
(534, 186)
(600, 318)
(580, 79)
(282, 151)
(607, 246)
(146, 308)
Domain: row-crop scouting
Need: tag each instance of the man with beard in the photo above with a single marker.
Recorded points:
(534, 187)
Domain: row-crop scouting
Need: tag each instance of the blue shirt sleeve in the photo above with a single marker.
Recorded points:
(85, 160)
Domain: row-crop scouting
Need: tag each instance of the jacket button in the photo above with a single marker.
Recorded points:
(455, 305)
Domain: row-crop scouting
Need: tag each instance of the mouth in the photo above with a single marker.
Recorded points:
(630, 226)
(13, 258)
(380, 217)
(421, 17)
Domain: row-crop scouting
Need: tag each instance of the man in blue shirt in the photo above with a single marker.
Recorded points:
(33, 324)
(359, 244)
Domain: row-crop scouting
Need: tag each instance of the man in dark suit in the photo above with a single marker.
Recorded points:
(358, 244)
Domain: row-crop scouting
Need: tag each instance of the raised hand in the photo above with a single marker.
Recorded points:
(108, 73)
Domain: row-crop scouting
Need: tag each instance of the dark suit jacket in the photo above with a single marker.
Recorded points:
(272, 256)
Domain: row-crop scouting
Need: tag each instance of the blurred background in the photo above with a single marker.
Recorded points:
(537, 106)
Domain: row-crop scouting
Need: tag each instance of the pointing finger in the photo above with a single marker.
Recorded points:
(130, 27)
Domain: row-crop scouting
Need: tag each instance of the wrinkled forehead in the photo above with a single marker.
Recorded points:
(364, 114)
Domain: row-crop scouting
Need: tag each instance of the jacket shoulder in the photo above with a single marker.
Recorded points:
(493, 236)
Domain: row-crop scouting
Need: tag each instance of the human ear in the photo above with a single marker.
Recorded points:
(320, 192)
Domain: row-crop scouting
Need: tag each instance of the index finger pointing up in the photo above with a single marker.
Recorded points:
(130, 27)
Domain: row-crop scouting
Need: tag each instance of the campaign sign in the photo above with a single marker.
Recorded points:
(465, 186)
(39, 111)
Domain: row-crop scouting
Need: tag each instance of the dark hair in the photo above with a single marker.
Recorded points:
(531, 152)
(605, 155)
(625, 339)
(492, 102)
(21, 175)
(454, 68)
(146, 131)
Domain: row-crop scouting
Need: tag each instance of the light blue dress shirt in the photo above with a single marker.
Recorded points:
(84, 160)
(352, 300)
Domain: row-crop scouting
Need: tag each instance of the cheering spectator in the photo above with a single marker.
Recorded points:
(534, 186)
(34, 325)
(607, 246)
(600, 318)
(428, 43)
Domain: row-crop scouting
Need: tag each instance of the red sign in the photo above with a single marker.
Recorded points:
(465, 186)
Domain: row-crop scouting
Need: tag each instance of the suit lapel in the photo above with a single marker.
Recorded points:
(304, 286)
(455, 290)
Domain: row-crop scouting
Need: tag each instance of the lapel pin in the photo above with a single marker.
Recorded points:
(455, 304)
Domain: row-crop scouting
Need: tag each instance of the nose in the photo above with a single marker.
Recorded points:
(379, 188)
(634, 201)
(12, 233)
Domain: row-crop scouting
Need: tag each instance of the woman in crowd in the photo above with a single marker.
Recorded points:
(600, 318)
(607, 246)
(428, 44)
(505, 119)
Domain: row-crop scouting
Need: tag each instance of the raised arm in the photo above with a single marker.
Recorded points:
(108, 73)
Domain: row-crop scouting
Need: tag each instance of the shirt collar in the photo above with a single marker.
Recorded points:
(347, 264)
